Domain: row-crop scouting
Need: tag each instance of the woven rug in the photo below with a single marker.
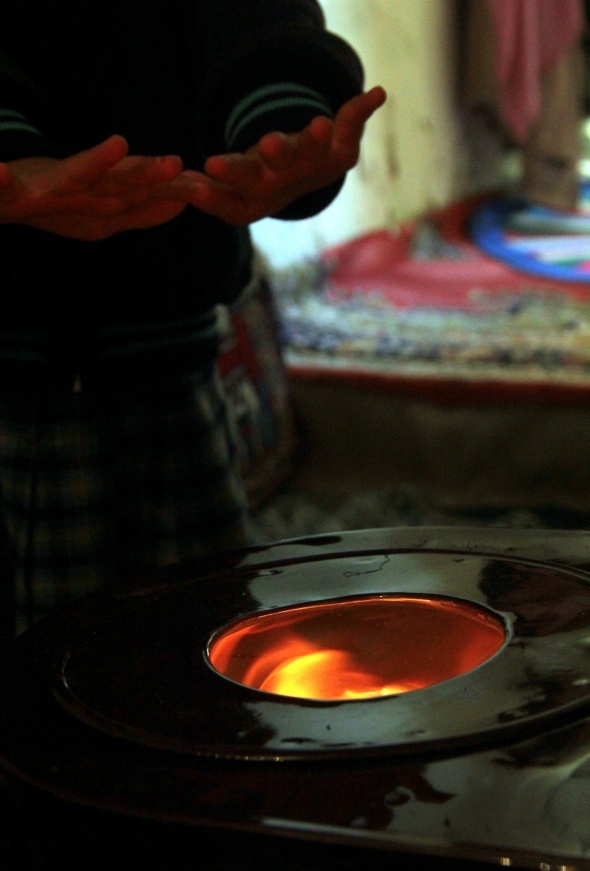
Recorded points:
(426, 310)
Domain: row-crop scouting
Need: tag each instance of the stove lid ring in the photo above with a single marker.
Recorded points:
(138, 672)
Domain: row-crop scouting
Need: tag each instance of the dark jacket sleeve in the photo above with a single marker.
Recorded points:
(272, 65)
(257, 66)
(20, 135)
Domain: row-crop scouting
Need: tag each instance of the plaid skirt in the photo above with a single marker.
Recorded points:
(105, 484)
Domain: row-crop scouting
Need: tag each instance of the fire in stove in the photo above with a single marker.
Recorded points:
(357, 647)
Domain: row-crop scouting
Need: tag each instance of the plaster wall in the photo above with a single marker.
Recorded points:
(417, 153)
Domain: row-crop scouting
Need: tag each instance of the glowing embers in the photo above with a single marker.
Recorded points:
(356, 648)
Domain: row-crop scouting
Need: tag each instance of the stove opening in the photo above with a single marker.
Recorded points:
(356, 648)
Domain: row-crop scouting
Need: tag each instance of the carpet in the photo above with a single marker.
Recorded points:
(437, 385)
(294, 514)
(427, 312)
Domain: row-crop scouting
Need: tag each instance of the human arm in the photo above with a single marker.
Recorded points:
(241, 188)
(281, 70)
(259, 67)
(92, 194)
(84, 194)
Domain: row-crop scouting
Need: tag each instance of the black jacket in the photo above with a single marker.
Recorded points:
(187, 77)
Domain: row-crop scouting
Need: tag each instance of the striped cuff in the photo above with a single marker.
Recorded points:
(272, 99)
(18, 137)
(11, 121)
(21, 347)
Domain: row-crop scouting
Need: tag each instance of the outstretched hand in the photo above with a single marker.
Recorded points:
(241, 188)
(102, 191)
(92, 194)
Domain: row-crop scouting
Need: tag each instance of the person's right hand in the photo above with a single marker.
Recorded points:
(242, 188)
(93, 194)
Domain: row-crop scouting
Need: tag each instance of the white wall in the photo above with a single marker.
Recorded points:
(415, 153)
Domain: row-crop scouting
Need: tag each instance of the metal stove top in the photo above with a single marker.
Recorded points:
(112, 705)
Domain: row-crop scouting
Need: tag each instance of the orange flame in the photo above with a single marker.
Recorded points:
(327, 674)
(357, 649)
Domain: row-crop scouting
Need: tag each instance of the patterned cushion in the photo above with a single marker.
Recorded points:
(255, 381)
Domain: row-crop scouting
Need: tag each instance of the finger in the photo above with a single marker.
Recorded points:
(377, 95)
(182, 188)
(315, 139)
(134, 170)
(5, 176)
(278, 151)
(235, 170)
(85, 168)
(349, 126)
(224, 204)
(8, 184)
(164, 168)
(356, 112)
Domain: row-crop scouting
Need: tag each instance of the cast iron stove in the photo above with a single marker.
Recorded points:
(421, 693)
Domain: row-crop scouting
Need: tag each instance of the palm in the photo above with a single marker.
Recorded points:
(242, 188)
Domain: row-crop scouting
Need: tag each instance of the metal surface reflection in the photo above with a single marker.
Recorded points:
(170, 697)
(490, 766)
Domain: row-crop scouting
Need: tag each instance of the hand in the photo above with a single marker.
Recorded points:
(93, 194)
(243, 188)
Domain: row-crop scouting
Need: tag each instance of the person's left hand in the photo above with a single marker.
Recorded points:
(94, 193)
(242, 188)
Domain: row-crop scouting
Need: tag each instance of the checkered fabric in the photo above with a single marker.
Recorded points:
(105, 484)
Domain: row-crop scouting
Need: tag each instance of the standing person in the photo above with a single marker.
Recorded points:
(139, 140)
(525, 72)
